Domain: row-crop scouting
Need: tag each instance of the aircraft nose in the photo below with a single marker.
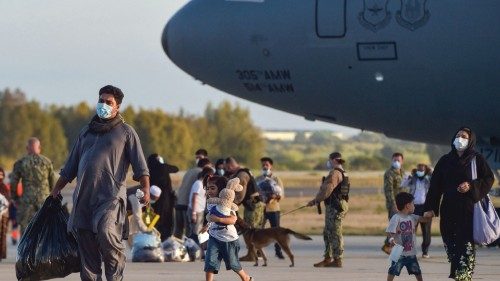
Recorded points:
(206, 41)
(164, 41)
(181, 35)
(191, 38)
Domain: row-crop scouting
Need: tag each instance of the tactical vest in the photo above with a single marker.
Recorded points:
(341, 191)
(251, 187)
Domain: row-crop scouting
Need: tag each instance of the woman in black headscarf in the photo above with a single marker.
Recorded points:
(160, 176)
(452, 182)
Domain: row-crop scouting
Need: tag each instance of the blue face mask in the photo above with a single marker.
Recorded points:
(329, 165)
(103, 110)
(396, 165)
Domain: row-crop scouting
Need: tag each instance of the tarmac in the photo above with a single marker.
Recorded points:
(363, 260)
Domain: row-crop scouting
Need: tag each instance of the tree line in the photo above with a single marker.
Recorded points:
(363, 151)
(224, 130)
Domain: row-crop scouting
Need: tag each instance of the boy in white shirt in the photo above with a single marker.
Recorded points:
(401, 231)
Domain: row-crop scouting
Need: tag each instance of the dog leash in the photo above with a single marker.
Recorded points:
(294, 210)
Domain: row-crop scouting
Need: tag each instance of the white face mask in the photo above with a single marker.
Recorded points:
(420, 174)
(396, 165)
(460, 143)
(220, 172)
(197, 160)
(329, 165)
(103, 110)
(266, 172)
(160, 159)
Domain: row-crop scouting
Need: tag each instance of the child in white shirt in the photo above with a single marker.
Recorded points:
(223, 242)
(401, 231)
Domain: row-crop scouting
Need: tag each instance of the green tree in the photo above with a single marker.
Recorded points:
(73, 119)
(20, 120)
(15, 124)
(166, 135)
(235, 134)
(362, 163)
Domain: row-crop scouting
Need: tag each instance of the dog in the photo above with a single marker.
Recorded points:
(260, 238)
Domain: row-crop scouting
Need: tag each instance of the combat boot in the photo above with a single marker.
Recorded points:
(337, 262)
(324, 262)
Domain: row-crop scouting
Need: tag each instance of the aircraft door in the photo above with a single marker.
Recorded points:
(330, 18)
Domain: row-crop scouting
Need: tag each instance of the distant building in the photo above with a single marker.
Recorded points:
(278, 135)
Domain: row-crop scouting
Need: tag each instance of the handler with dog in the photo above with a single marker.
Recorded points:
(334, 192)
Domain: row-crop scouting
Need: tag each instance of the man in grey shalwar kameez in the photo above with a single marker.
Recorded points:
(100, 159)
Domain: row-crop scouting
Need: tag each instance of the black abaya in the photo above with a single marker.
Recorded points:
(160, 176)
(456, 209)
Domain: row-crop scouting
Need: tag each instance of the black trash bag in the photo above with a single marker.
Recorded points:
(46, 250)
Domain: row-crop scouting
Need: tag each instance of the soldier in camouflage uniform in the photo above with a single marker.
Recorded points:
(255, 217)
(393, 179)
(253, 213)
(336, 208)
(37, 175)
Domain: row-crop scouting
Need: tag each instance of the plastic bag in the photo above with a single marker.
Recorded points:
(46, 249)
(174, 250)
(203, 237)
(146, 240)
(396, 252)
(193, 249)
(147, 248)
(267, 188)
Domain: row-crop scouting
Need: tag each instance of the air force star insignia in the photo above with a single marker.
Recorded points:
(375, 15)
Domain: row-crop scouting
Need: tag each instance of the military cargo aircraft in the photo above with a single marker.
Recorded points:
(411, 69)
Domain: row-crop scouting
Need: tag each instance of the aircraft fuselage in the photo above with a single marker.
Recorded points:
(410, 69)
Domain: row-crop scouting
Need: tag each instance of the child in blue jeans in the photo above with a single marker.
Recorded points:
(223, 242)
(401, 231)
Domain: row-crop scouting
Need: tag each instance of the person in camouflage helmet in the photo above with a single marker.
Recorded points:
(37, 175)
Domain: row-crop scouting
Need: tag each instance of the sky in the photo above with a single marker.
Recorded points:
(62, 52)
